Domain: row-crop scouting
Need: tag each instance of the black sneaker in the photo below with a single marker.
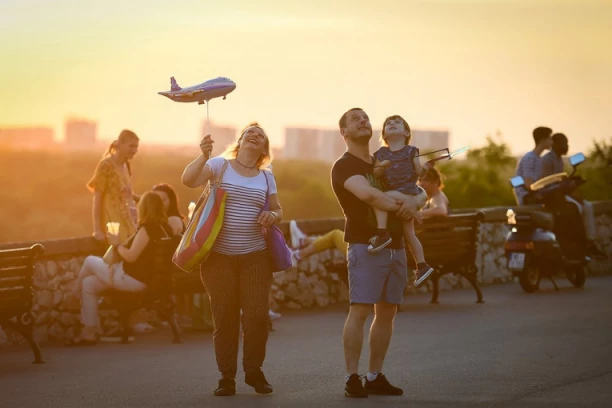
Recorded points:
(354, 387)
(257, 380)
(422, 274)
(379, 242)
(227, 387)
(381, 386)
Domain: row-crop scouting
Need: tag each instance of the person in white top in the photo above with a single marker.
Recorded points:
(237, 275)
(437, 203)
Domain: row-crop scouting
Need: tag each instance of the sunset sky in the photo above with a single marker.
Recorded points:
(469, 66)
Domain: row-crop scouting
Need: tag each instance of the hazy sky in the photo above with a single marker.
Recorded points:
(469, 66)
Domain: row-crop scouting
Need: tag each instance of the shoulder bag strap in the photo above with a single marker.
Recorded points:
(218, 179)
(266, 205)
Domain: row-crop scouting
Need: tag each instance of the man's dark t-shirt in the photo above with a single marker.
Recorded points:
(360, 224)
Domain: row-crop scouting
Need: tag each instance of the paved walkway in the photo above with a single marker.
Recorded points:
(516, 350)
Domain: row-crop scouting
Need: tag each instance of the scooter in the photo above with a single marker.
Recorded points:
(549, 239)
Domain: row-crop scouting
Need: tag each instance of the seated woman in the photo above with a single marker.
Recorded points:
(437, 204)
(131, 274)
(171, 204)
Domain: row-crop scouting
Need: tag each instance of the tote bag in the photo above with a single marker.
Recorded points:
(280, 255)
(204, 226)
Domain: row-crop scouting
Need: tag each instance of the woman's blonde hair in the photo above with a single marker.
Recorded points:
(383, 137)
(264, 160)
(151, 209)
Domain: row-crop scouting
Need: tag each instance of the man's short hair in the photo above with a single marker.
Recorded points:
(541, 133)
(342, 121)
(559, 137)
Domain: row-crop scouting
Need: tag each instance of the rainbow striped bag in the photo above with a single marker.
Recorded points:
(204, 226)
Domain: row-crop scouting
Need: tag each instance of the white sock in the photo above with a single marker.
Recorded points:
(372, 376)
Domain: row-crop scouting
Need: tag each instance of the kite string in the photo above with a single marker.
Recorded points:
(207, 118)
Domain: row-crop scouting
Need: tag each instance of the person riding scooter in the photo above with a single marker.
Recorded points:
(547, 240)
(552, 163)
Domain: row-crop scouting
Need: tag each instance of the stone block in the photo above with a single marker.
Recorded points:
(54, 283)
(70, 303)
(58, 297)
(313, 279)
(291, 275)
(68, 319)
(43, 318)
(279, 278)
(45, 298)
(292, 292)
(68, 276)
(55, 315)
(320, 288)
(293, 305)
(39, 279)
(322, 300)
(51, 269)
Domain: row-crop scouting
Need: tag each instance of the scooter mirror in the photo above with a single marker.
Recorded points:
(517, 181)
(576, 159)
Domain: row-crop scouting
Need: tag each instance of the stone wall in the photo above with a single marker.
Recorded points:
(308, 285)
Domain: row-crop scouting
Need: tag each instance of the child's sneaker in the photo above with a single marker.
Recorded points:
(379, 242)
(423, 272)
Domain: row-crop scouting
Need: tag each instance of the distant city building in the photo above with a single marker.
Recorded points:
(332, 145)
(302, 143)
(430, 140)
(223, 136)
(277, 153)
(80, 134)
(26, 137)
(375, 142)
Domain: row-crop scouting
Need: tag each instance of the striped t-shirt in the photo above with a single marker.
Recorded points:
(530, 166)
(246, 196)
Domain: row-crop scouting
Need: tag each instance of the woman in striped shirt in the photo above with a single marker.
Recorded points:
(237, 274)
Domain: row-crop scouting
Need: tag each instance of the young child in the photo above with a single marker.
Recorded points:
(399, 168)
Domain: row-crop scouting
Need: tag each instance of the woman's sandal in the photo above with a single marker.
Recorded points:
(79, 341)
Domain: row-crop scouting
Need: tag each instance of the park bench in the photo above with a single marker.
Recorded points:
(16, 295)
(157, 296)
(450, 245)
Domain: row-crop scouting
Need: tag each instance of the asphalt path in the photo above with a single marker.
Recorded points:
(547, 349)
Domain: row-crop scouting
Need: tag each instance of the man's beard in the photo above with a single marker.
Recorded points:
(361, 140)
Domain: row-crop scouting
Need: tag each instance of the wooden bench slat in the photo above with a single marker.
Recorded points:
(19, 252)
(22, 271)
(23, 261)
(14, 280)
